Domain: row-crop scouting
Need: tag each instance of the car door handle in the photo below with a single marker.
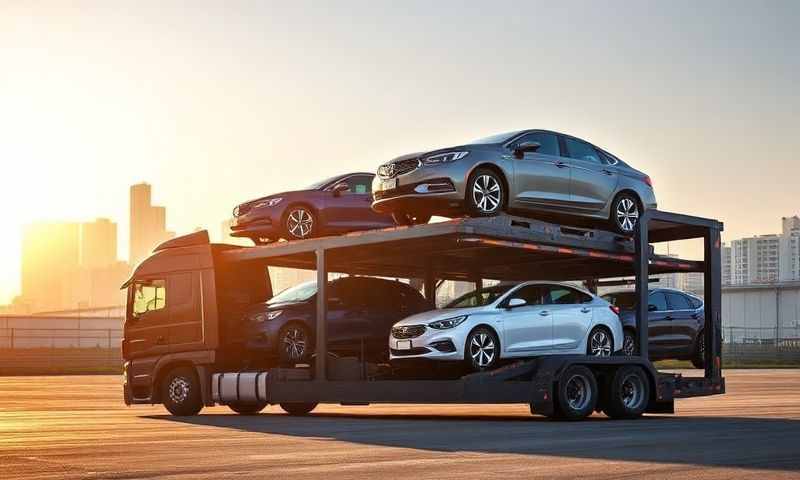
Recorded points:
(561, 164)
(585, 310)
(607, 172)
(544, 313)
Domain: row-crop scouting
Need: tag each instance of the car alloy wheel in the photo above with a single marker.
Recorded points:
(482, 350)
(487, 194)
(600, 343)
(627, 214)
(294, 343)
(178, 390)
(300, 223)
(629, 344)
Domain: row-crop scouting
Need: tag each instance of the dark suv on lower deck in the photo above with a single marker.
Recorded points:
(675, 324)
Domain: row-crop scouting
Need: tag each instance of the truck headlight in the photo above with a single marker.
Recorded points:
(447, 323)
(444, 158)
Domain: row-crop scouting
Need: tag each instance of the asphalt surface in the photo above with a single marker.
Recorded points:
(78, 427)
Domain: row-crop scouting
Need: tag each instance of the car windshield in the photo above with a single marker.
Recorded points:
(499, 138)
(480, 297)
(298, 293)
(623, 300)
(318, 185)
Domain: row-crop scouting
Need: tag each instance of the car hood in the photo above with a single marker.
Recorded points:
(426, 153)
(281, 194)
(264, 307)
(439, 314)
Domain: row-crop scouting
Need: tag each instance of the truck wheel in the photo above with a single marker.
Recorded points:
(247, 408)
(577, 393)
(628, 393)
(699, 355)
(298, 409)
(180, 392)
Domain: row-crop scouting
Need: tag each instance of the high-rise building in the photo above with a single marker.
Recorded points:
(98, 243)
(50, 263)
(147, 223)
(727, 271)
(755, 259)
(789, 269)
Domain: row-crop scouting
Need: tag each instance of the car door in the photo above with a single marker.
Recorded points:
(686, 321)
(147, 328)
(659, 324)
(541, 178)
(347, 313)
(593, 182)
(572, 316)
(351, 209)
(527, 329)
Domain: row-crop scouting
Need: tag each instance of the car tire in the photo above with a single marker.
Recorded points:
(299, 223)
(408, 219)
(180, 392)
(600, 343)
(482, 350)
(625, 212)
(486, 193)
(247, 408)
(298, 409)
(628, 393)
(629, 343)
(698, 356)
(294, 344)
(577, 393)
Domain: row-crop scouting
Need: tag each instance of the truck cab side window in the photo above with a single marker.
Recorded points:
(149, 296)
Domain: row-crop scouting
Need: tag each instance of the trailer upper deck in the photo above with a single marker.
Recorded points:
(502, 248)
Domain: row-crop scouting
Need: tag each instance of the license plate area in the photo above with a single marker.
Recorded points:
(403, 345)
(389, 184)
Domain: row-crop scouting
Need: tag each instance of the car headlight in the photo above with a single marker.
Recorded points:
(447, 323)
(269, 203)
(444, 158)
(263, 317)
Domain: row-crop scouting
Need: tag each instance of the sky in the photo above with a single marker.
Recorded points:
(216, 103)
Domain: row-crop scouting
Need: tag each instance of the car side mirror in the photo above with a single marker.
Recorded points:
(652, 308)
(524, 147)
(515, 303)
(339, 188)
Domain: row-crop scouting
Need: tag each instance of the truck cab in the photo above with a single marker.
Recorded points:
(183, 305)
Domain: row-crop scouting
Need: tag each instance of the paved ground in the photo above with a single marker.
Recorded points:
(77, 427)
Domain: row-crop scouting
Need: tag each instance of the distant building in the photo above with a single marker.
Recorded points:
(789, 269)
(50, 263)
(98, 243)
(755, 260)
(726, 265)
(147, 223)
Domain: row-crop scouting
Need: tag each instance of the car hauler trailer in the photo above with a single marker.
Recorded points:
(471, 249)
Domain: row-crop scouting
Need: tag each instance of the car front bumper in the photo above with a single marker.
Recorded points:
(436, 189)
(432, 344)
(257, 224)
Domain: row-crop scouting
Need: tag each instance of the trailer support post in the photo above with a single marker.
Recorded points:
(322, 304)
(429, 285)
(712, 331)
(641, 270)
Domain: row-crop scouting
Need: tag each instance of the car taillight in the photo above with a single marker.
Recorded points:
(614, 309)
(648, 181)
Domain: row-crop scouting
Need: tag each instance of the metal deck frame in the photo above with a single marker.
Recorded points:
(503, 248)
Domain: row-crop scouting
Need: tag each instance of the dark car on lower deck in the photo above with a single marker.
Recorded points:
(360, 315)
(675, 323)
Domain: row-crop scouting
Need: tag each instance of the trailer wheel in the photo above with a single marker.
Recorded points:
(247, 408)
(628, 393)
(298, 409)
(577, 393)
(180, 392)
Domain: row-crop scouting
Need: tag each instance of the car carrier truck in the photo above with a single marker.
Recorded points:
(184, 300)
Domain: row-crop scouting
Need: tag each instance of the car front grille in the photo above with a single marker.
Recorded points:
(409, 331)
(401, 167)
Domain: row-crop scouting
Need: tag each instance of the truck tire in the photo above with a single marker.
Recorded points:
(298, 409)
(628, 393)
(577, 393)
(247, 408)
(180, 392)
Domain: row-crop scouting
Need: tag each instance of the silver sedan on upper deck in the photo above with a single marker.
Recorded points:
(525, 172)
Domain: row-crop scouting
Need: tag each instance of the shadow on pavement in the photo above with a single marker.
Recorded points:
(737, 442)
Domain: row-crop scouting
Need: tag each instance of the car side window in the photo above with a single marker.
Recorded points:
(560, 295)
(532, 294)
(696, 302)
(678, 301)
(659, 301)
(149, 296)
(581, 150)
(359, 184)
(549, 142)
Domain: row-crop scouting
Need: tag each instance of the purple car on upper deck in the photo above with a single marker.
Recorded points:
(335, 205)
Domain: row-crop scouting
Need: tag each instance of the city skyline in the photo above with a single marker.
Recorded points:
(222, 104)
